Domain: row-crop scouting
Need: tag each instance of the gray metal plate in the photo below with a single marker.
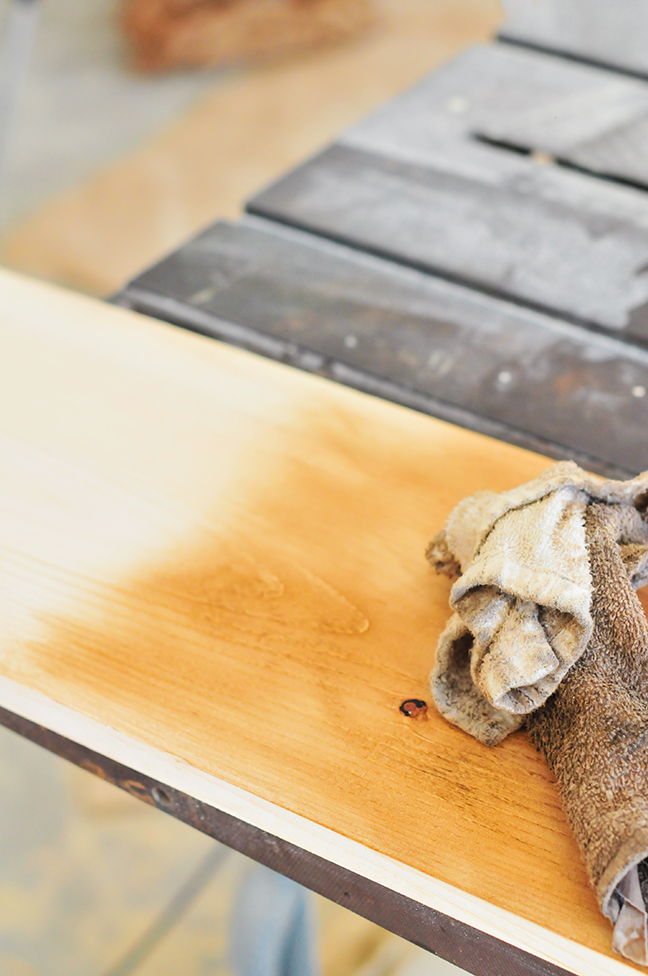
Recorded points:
(611, 32)
(579, 114)
(418, 340)
(421, 182)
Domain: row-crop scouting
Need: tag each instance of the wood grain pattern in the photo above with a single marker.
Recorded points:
(222, 558)
(320, 860)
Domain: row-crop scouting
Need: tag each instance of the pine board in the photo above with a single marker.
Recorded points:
(212, 565)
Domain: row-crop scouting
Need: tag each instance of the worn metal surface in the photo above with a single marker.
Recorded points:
(580, 115)
(456, 177)
(418, 340)
(611, 32)
(455, 941)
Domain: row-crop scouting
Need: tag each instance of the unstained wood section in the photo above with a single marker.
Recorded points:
(514, 374)
(223, 557)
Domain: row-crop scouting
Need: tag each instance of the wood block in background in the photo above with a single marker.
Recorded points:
(216, 562)
(167, 34)
(232, 143)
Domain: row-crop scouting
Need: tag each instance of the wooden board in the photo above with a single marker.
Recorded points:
(421, 341)
(595, 30)
(456, 177)
(411, 918)
(212, 566)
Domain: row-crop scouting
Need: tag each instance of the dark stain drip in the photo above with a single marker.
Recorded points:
(413, 707)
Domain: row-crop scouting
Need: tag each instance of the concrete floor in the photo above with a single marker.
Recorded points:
(250, 127)
(82, 107)
(86, 871)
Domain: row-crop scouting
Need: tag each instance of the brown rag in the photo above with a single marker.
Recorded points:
(522, 599)
(593, 731)
(592, 725)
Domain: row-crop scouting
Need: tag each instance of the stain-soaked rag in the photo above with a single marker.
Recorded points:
(549, 632)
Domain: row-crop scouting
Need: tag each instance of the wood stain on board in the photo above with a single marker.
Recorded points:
(273, 651)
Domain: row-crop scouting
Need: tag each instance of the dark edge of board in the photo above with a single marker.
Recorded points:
(459, 943)
(618, 69)
(181, 314)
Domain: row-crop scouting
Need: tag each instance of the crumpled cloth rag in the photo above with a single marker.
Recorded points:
(549, 633)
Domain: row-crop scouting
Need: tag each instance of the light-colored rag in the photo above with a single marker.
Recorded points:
(548, 632)
(522, 599)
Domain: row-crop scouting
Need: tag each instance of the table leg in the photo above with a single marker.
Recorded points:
(273, 927)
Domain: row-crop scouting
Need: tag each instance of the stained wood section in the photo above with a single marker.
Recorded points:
(473, 174)
(469, 948)
(611, 34)
(222, 558)
(409, 337)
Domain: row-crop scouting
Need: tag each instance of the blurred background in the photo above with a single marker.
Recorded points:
(107, 168)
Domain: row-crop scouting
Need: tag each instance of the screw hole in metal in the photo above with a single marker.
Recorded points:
(160, 796)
